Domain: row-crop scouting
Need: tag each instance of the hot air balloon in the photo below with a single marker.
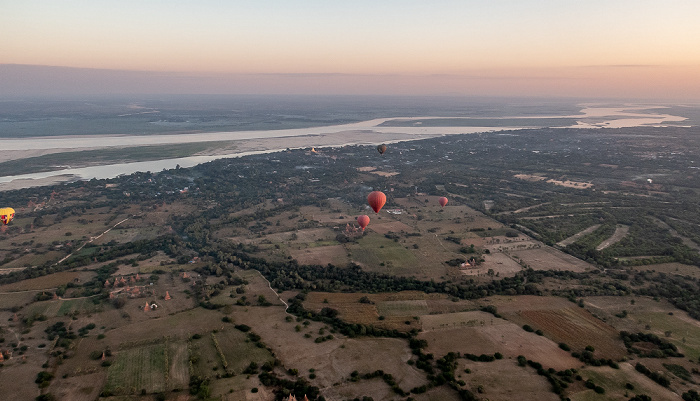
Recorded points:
(376, 200)
(7, 214)
(363, 221)
(443, 201)
(381, 149)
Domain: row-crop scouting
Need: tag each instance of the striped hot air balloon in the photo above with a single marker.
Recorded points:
(6, 215)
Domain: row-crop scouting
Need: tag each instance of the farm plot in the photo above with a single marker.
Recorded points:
(321, 255)
(33, 259)
(482, 333)
(178, 371)
(396, 308)
(333, 359)
(548, 258)
(204, 356)
(46, 308)
(239, 353)
(403, 308)
(137, 369)
(71, 306)
(563, 322)
(384, 226)
(9, 300)
(238, 388)
(670, 268)
(649, 316)
(50, 281)
(79, 388)
(382, 255)
(504, 380)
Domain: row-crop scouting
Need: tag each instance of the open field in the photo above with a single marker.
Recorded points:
(79, 388)
(548, 258)
(563, 322)
(382, 255)
(17, 300)
(50, 281)
(614, 380)
(649, 316)
(670, 268)
(501, 264)
(240, 353)
(504, 380)
(138, 369)
(480, 332)
(321, 255)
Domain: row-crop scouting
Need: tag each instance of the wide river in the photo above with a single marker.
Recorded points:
(365, 132)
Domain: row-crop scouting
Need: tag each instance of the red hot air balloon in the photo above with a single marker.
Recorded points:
(443, 201)
(363, 221)
(376, 200)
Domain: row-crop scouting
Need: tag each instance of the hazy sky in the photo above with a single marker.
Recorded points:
(638, 48)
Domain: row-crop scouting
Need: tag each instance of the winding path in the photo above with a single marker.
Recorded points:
(278, 295)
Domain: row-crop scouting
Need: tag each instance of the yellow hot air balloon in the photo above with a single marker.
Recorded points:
(6, 215)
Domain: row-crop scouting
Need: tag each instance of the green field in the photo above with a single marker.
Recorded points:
(614, 380)
(84, 305)
(240, 353)
(684, 335)
(374, 250)
(402, 308)
(138, 369)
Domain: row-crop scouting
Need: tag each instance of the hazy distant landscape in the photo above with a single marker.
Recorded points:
(564, 266)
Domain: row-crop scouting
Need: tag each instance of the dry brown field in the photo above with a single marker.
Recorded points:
(85, 387)
(241, 386)
(402, 307)
(481, 333)
(548, 258)
(385, 225)
(504, 380)
(50, 281)
(563, 322)
(500, 263)
(12, 299)
(669, 268)
(18, 378)
(334, 359)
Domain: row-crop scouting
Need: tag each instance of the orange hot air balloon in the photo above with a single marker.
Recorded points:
(6, 215)
(376, 200)
(363, 221)
(381, 149)
(443, 201)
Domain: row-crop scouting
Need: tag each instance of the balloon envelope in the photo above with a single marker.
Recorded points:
(381, 149)
(363, 221)
(376, 200)
(443, 201)
(6, 215)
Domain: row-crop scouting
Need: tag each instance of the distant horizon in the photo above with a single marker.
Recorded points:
(22, 80)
